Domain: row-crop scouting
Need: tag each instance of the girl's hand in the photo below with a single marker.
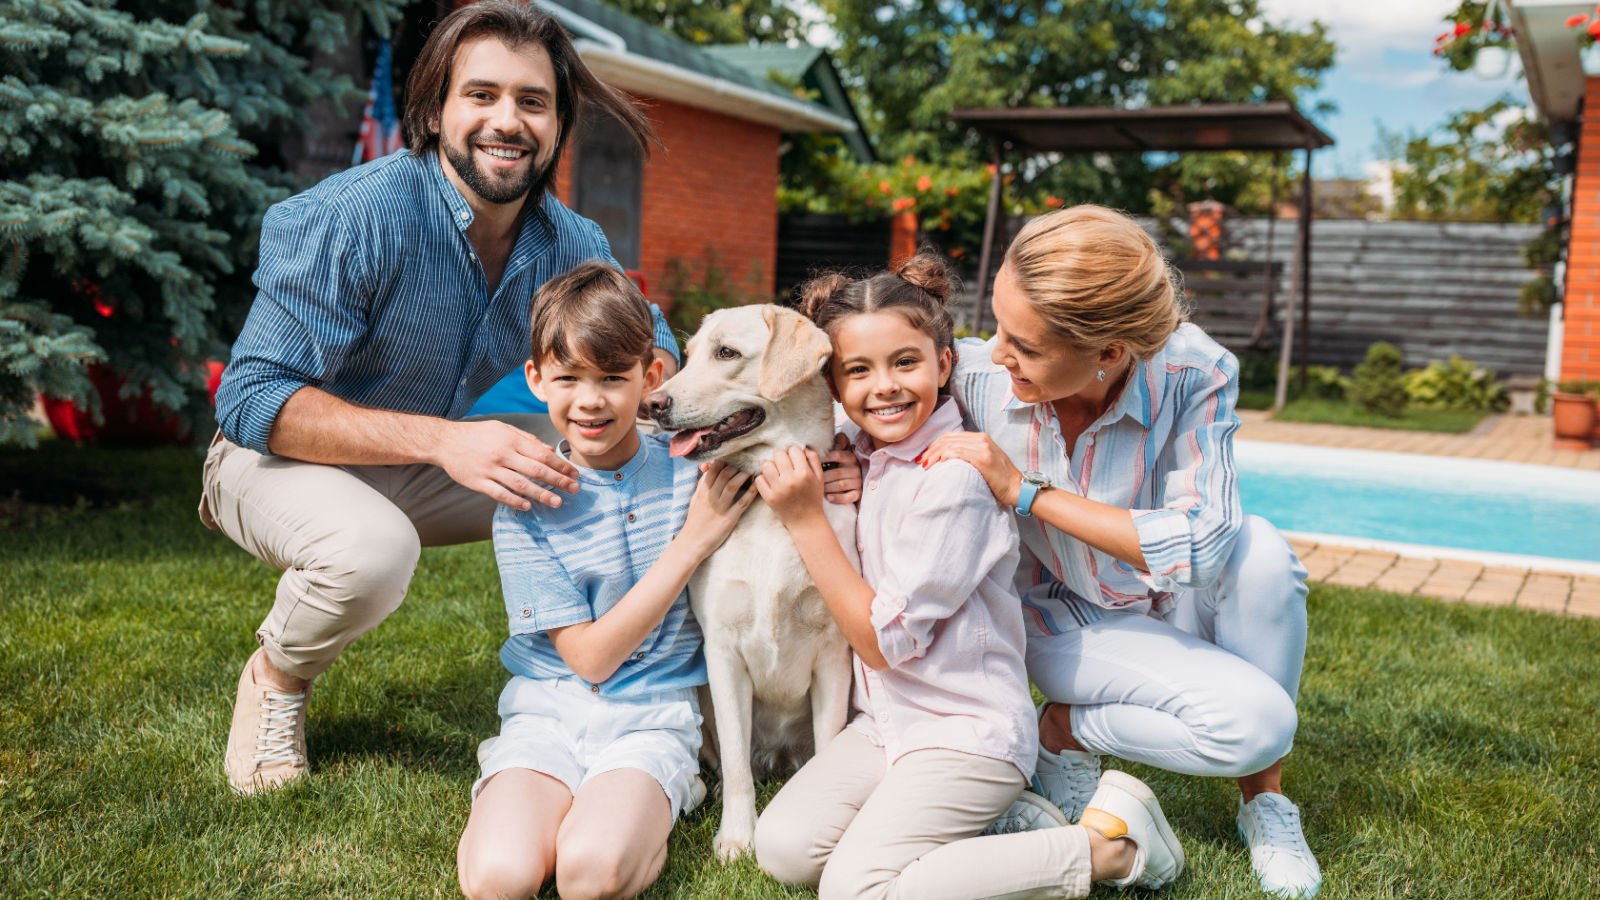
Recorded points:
(791, 483)
(1004, 478)
(841, 484)
(716, 507)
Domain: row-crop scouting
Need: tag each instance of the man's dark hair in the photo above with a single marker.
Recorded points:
(515, 24)
(592, 315)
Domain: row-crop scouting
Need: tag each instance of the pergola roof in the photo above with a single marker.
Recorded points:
(1217, 126)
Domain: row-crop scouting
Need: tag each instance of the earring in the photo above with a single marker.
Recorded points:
(1100, 375)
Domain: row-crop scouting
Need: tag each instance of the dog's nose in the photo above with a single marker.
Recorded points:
(657, 405)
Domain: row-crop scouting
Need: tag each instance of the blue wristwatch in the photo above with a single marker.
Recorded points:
(1032, 484)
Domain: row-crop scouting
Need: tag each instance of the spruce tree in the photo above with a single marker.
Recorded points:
(132, 181)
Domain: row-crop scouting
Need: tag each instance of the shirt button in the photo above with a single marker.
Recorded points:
(526, 612)
(465, 215)
(594, 688)
(618, 476)
(639, 655)
(632, 517)
(873, 486)
(883, 717)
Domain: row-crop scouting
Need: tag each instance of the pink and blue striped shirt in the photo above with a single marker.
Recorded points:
(1164, 450)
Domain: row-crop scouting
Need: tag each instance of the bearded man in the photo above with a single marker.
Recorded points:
(390, 297)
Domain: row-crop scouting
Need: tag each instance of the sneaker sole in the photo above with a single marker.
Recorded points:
(1141, 792)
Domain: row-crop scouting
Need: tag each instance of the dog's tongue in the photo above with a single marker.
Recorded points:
(684, 442)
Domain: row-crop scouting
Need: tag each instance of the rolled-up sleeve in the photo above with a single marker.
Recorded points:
(540, 594)
(1186, 542)
(313, 295)
(955, 534)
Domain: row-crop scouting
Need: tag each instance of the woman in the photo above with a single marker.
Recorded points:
(1164, 626)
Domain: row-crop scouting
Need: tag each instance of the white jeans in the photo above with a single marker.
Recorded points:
(1210, 689)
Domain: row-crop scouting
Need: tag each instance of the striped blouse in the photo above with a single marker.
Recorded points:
(1164, 450)
(369, 289)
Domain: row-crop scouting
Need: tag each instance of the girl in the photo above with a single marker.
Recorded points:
(945, 736)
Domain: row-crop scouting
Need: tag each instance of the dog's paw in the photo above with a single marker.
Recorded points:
(731, 846)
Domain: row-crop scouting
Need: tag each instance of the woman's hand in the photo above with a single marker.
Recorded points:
(841, 481)
(791, 483)
(977, 448)
(716, 507)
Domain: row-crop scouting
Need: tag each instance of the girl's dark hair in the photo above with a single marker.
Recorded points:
(919, 290)
(515, 24)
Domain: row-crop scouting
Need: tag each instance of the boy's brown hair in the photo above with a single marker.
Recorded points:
(592, 315)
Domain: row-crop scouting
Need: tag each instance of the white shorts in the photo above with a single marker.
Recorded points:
(564, 730)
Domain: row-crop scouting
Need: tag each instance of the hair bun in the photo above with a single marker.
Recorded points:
(816, 292)
(930, 272)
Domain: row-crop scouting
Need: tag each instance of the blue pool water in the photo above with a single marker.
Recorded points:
(1413, 499)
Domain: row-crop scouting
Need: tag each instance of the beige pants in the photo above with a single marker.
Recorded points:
(346, 537)
(852, 826)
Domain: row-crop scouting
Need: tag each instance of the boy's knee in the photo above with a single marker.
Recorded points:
(787, 851)
(500, 875)
(589, 868)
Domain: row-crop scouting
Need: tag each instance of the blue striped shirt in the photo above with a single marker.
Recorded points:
(1164, 449)
(571, 564)
(369, 289)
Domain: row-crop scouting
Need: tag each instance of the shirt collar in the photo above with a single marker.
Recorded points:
(946, 417)
(1138, 398)
(462, 215)
(614, 477)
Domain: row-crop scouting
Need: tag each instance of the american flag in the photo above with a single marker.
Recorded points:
(380, 121)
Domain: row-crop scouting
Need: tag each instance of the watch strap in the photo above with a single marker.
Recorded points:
(1025, 494)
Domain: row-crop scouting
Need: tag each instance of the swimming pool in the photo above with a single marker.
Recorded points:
(1432, 501)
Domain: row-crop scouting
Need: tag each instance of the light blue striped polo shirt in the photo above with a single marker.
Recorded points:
(369, 289)
(1164, 450)
(571, 564)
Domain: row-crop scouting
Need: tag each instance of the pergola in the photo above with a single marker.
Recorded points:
(1275, 127)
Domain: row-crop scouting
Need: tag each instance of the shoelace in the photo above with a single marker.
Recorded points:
(1281, 825)
(279, 714)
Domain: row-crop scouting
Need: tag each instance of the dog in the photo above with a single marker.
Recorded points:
(778, 668)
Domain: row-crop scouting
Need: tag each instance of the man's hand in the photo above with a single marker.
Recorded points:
(841, 475)
(791, 483)
(505, 463)
(715, 507)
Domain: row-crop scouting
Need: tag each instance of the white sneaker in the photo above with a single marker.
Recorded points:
(1030, 812)
(1124, 807)
(1283, 862)
(1068, 779)
(697, 795)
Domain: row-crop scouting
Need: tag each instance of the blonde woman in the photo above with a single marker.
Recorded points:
(1164, 626)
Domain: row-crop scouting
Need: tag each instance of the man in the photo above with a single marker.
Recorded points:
(390, 297)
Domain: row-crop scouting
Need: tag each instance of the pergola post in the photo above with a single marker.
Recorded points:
(1299, 288)
(991, 223)
(1305, 273)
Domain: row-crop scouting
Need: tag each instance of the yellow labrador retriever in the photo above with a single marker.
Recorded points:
(752, 386)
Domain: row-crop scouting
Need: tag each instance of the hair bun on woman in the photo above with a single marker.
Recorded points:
(929, 271)
(816, 292)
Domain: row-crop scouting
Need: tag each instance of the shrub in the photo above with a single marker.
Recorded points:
(1579, 386)
(1457, 385)
(1378, 385)
(1326, 383)
(699, 289)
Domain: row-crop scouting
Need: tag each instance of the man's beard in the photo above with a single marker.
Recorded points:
(536, 178)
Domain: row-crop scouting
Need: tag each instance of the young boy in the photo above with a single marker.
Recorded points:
(600, 730)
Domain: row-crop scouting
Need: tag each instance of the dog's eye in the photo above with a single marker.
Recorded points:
(726, 353)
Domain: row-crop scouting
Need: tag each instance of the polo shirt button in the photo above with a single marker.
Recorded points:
(632, 517)
(618, 476)
(873, 486)
(883, 717)
(639, 655)
(594, 688)
(526, 612)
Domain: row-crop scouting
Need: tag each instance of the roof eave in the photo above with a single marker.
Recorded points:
(1550, 59)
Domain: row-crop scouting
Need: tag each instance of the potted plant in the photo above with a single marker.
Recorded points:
(1574, 413)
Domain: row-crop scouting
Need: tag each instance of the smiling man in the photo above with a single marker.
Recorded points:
(390, 297)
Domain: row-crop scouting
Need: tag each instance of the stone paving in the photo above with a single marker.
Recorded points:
(1524, 439)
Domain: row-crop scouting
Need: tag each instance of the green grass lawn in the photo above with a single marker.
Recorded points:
(1337, 412)
(1444, 750)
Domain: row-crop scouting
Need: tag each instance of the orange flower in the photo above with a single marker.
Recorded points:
(909, 161)
(1462, 28)
(1594, 28)
(950, 192)
(924, 183)
(1053, 202)
(885, 188)
(901, 204)
(1575, 21)
(957, 252)
(993, 169)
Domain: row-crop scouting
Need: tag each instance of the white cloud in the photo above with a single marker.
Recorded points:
(1366, 30)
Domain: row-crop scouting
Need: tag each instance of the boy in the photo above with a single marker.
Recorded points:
(600, 729)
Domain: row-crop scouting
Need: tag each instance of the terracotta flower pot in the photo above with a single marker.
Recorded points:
(1575, 417)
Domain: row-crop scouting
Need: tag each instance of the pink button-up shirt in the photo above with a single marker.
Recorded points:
(941, 554)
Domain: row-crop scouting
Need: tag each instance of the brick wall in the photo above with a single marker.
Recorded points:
(1580, 345)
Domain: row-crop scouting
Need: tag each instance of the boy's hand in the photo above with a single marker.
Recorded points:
(716, 507)
(791, 483)
(841, 476)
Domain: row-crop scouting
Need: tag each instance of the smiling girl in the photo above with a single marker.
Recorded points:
(945, 738)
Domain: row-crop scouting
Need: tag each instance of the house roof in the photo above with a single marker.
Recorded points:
(635, 56)
(810, 67)
(1101, 129)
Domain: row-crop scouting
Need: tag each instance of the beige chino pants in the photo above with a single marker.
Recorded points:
(346, 537)
(852, 826)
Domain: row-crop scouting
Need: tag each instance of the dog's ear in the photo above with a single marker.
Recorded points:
(796, 350)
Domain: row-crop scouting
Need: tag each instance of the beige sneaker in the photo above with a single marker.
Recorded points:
(267, 743)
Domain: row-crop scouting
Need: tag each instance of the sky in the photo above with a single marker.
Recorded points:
(1385, 73)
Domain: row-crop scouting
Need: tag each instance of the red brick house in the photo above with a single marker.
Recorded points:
(710, 192)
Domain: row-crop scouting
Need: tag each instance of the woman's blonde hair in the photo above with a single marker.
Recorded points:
(1096, 278)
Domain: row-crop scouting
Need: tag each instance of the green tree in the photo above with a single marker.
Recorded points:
(131, 188)
(915, 62)
(733, 22)
(1494, 164)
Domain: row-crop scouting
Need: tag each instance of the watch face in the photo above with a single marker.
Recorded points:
(1036, 478)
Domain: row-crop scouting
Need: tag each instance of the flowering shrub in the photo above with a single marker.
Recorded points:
(1471, 29)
